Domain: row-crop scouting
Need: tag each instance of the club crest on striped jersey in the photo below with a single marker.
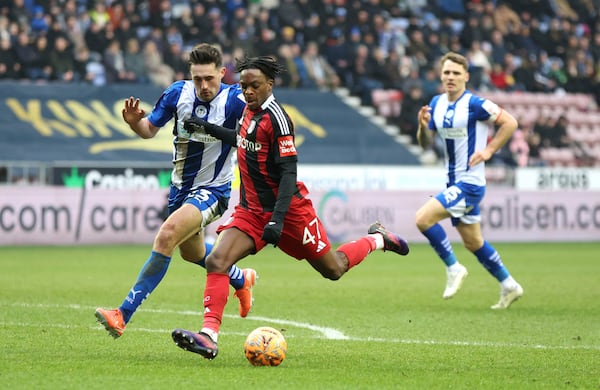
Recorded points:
(251, 127)
(200, 111)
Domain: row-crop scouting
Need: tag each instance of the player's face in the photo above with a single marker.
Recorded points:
(207, 80)
(454, 78)
(256, 87)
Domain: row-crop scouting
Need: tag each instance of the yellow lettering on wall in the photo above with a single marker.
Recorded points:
(300, 120)
(58, 110)
(72, 118)
(32, 113)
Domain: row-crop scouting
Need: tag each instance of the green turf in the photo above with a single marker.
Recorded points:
(382, 326)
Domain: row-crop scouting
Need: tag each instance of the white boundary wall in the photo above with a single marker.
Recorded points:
(347, 200)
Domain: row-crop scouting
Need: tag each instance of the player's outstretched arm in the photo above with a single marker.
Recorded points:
(229, 136)
(135, 117)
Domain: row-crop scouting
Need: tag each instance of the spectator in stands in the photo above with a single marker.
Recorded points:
(26, 55)
(557, 76)
(88, 67)
(74, 32)
(134, 60)
(305, 81)
(20, 11)
(267, 42)
(393, 70)
(177, 59)
(472, 31)
(159, 73)
(417, 45)
(556, 135)
(595, 46)
(413, 80)
(499, 49)
(38, 24)
(500, 79)
(10, 68)
(243, 38)
(95, 38)
(231, 76)
(367, 74)
(200, 25)
(519, 148)
(289, 14)
(557, 39)
(462, 120)
(116, 14)
(40, 68)
(339, 55)
(479, 65)
(313, 30)
(534, 143)
(291, 78)
(320, 72)
(61, 61)
(124, 32)
(505, 19)
(114, 64)
(411, 104)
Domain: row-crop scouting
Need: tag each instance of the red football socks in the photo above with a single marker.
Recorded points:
(216, 294)
(356, 251)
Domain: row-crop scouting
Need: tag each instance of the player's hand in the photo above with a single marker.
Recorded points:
(132, 113)
(424, 116)
(272, 232)
(479, 157)
(196, 125)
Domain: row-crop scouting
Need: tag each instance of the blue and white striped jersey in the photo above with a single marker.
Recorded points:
(461, 125)
(199, 159)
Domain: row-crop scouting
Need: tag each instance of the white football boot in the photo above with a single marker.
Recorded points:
(454, 280)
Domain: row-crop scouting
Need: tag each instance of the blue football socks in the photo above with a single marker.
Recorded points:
(439, 241)
(490, 259)
(236, 276)
(150, 276)
(154, 271)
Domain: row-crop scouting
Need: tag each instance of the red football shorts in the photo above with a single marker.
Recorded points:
(303, 235)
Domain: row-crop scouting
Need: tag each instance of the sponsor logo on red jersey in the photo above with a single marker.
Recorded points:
(286, 146)
(248, 145)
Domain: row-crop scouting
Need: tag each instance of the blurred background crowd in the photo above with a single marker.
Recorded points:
(364, 46)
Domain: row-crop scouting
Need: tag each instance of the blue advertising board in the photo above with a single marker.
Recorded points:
(70, 122)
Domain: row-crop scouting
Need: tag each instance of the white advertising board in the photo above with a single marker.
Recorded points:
(67, 216)
(557, 179)
(371, 177)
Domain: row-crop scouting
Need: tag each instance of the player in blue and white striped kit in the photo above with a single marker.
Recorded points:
(200, 182)
(460, 119)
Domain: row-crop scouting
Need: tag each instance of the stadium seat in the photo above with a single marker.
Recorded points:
(387, 102)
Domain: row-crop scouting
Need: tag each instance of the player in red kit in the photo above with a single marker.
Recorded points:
(273, 207)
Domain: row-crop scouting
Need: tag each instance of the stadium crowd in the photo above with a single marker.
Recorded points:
(516, 46)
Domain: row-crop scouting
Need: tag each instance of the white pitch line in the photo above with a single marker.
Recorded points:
(326, 333)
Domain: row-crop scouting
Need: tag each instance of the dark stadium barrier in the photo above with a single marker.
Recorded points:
(70, 122)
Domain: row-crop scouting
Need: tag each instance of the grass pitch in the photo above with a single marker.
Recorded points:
(384, 325)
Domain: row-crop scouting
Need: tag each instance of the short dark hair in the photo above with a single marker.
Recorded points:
(266, 64)
(205, 53)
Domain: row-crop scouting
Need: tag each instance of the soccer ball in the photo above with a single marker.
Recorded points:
(265, 346)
